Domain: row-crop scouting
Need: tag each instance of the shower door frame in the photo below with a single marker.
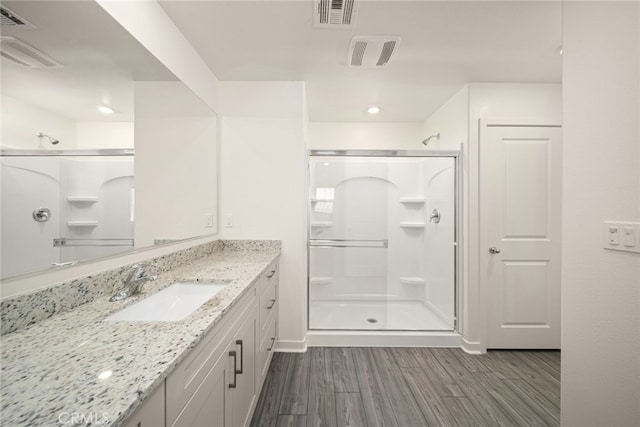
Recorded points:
(457, 235)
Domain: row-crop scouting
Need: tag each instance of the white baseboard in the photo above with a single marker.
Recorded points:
(473, 347)
(291, 346)
(382, 339)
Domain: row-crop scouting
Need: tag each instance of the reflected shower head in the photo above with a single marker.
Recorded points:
(52, 140)
(436, 136)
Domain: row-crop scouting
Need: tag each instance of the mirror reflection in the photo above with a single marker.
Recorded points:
(79, 97)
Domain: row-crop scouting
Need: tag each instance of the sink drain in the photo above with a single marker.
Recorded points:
(372, 320)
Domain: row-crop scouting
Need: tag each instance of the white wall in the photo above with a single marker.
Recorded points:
(492, 100)
(104, 134)
(451, 121)
(457, 121)
(152, 27)
(263, 184)
(21, 122)
(364, 135)
(176, 163)
(600, 289)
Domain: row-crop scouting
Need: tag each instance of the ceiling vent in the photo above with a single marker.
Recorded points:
(338, 14)
(10, 19)
(25, 55)
(372, 51)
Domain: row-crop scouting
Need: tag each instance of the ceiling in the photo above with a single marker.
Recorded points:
(444, 45)
(101, 60)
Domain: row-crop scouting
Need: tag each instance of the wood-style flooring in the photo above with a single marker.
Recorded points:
(408, 387)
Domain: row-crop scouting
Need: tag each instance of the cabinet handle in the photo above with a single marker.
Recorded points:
(235, 372)
(270, 306)
(271, 274)
(239, 371)
(273, 342)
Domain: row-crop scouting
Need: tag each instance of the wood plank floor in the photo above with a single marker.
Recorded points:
(408, 387)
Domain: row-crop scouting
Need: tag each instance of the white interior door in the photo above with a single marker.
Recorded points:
(520, 196)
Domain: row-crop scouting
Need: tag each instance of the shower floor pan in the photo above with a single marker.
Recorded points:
(375, 315)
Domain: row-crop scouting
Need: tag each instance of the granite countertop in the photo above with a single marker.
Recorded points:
(53, 369)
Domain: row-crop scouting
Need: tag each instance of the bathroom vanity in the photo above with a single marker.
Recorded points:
(75, 366)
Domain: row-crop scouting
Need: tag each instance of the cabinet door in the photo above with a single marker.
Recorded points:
(210, 406)
(243, 396)
(150, 413)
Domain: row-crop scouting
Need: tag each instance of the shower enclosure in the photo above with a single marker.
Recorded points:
(382, 240)
(61, 206)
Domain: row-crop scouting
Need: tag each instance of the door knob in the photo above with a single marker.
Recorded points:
(494, 250)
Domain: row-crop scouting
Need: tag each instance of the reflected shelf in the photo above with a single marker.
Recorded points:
(82, 199)
(412, 224)
(412, 200)
(82, 223)
(321, 224)
(412, 280)
(320, 280)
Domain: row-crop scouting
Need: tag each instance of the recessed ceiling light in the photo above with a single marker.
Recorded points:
(373, 110)
(105, 110)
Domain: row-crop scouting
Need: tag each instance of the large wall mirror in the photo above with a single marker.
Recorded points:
(104, 150)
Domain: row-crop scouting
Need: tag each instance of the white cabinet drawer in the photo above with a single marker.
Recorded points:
(268, 304)
(273, 272)
(266, 348)
(186, 378)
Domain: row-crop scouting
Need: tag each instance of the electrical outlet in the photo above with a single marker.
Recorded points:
(622, 236)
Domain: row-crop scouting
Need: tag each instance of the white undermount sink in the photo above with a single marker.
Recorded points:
(170, 304)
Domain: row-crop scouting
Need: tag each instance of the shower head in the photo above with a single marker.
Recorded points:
(436, 136)
(52, 140)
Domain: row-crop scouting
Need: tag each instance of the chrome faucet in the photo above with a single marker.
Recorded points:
(133, 284)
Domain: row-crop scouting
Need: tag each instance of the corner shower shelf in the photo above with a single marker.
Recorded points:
(412, 280)
(82, 223)
(412, 200)
(320, 280)
(412, 224)
(321, 224)
(315, 199)
(82, 199)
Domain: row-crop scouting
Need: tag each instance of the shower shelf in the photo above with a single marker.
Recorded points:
(415, 200)
(320, 280)
(314, 200)
(412, 280)
(412, 224)
(82, 223)
(82, 199)
(320, 224)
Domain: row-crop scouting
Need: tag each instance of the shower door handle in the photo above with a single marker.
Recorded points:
(494, 250)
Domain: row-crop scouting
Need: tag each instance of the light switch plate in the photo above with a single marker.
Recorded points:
(228, 220)
(622, 236)
(208, 220)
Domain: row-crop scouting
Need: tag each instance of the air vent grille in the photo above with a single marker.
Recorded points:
(372, 51)
(385, 55)
(10, 19)
(25, 55)
(358, 53)
(334, 13)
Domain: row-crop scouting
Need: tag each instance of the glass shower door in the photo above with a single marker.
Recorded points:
(382, 243)
(348, 244)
